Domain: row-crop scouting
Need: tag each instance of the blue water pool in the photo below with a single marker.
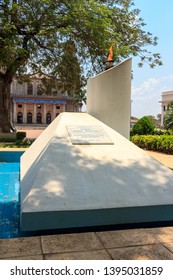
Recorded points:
(9, 194)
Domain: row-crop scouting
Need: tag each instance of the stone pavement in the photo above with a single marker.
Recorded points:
(155, 243)
(131, 244)
(167, 160)
(32, 133)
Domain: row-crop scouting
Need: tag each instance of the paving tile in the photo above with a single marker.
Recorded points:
(122, 238)
(162, 234)
(70, 242)
(17, 247)
(146, 252)
(169, 246)
(86, 255)
(35, 257)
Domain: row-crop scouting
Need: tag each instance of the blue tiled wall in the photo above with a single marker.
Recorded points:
(10, 156)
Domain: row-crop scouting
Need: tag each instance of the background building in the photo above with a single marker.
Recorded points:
(167, 98)
(38, 100)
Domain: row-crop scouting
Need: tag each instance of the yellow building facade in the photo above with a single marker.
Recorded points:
(29, 105)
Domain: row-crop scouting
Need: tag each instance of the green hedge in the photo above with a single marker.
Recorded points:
(162, 132)
(20, 135)
(162, 143)
(7, 140)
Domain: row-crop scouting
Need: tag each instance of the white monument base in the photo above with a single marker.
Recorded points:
(80, 172)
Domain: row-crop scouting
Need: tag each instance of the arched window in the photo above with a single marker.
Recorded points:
(30, 89)
(19, 117)
(39, 117)
(29, 117)
(48, 118)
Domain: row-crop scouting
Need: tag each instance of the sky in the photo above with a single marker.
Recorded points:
(148, 84)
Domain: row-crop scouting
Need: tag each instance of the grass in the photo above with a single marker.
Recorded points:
(25, 143)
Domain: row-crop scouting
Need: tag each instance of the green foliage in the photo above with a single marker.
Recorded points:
(155, 121)
(7, 143)
(69, 70)
(39, 32)
(161, 132)
(7, 140)
(34, 35)
(24, 142)
(80, 98)
(163, 143)
(143, 127)
(168, 117)
(20, 135)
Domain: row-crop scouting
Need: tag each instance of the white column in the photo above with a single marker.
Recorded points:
(54, 112)
(14, 113)
(24, 114)
(162, 114)
(44, 113)
(34, 116)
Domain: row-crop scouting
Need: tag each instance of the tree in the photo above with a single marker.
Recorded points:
(159, 118)
(80, 98)
(143, 127)
(69, 70)
(33, 35)
(154, 121)
(168, 117)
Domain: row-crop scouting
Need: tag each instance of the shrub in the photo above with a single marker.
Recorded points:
(163, 143)
(7, 140)
(24, 143)
(143, 127)
(20, 135)
(161, 132)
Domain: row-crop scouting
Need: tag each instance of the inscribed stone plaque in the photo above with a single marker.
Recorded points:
(91, 135)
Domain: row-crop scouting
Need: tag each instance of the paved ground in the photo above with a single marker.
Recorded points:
(132, 244)
(127, 244)
(167, 160)
(32, 133)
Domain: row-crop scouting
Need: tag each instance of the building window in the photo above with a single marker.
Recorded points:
(19, 106)
(30, 89)
(164, 108)
(57, 107)
(48, 118)
(39, 118)
(39, 106)
(19, 117)
(29, 117)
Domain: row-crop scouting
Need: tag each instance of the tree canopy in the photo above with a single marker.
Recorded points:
(143, 126)
(33, 35)
(155, 121)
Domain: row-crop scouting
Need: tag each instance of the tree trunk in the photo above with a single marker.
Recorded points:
(5, 105)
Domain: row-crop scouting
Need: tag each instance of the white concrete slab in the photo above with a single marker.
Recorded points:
(69, 185)
(109, 97)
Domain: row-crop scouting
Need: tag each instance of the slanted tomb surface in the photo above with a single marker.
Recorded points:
(68, 182)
